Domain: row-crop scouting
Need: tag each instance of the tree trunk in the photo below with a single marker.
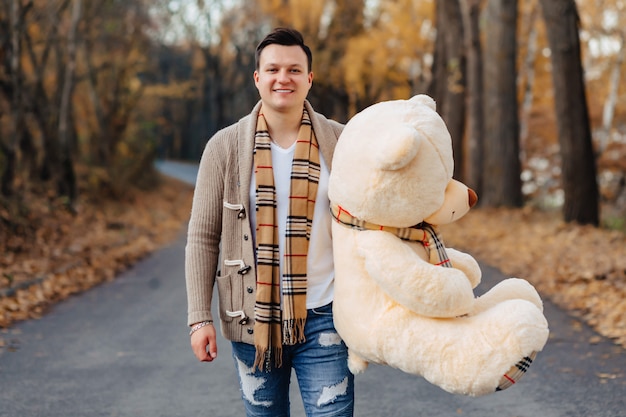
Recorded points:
(528, 68)
(44, 101)
(98, 143)
(501, 180)
(17, 108)
(454, 108)
(578, 174)
(475, 120)
(66, 182)
(438, 83)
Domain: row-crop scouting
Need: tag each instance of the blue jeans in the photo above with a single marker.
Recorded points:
(321, 366)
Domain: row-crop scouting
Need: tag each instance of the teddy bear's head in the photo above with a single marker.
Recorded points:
(393, 166)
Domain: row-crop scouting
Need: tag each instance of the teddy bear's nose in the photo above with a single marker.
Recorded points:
(472, 197)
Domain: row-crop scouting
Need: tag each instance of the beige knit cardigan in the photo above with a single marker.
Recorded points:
(219, 214)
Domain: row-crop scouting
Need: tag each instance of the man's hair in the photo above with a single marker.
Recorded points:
(285, 37)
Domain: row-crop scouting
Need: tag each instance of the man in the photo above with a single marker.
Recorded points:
(261, 198)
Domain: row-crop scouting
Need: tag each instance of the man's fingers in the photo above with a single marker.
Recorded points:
(203, 344)
(213, 349)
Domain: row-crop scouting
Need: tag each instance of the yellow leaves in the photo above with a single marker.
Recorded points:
(359, 50)
(377, 63)
(603, 375)
(307, 15)
(304, 15)
(123, 150)
(368, 49)
(134, 84)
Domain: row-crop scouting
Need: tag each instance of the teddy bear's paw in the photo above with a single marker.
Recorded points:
(356, 364)
(466, 263)
(509, 289)
(525, 291)
(516, 372)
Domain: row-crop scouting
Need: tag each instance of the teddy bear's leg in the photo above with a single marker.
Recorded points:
(484, 353)
(520, 330)
(356, 364)
(509, 289)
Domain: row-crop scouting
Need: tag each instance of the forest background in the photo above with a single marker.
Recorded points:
(92, 92)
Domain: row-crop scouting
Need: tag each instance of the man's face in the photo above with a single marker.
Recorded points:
(283, 79)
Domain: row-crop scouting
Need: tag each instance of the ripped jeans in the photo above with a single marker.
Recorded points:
(321, 366)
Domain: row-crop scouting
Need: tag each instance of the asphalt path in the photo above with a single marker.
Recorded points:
(122, 349)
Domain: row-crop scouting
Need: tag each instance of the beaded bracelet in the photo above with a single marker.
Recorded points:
(200, 325)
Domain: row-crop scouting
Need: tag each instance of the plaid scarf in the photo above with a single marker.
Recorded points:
(274, 327)
(424, 233)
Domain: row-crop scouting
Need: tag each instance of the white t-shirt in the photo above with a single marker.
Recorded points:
(320, 267)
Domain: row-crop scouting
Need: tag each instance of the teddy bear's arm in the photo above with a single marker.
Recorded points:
(466, 263)
(426, 289)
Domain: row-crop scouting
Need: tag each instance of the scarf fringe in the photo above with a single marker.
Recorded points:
(263, 358)
(293, 331)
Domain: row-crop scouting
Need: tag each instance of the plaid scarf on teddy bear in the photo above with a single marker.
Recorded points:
(424, 233)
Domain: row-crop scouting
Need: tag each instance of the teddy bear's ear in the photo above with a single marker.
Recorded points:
(397, 147)
(425, 100)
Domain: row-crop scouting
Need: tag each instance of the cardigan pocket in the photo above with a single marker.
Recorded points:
(230, 291)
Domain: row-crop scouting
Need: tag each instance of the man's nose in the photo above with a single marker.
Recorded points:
(283, 75)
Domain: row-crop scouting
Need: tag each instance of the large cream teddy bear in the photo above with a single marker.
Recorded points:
(402, 298)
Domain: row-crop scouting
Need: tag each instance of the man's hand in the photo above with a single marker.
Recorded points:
(203, 343)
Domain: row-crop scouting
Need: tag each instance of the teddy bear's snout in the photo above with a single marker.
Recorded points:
(472, 197)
